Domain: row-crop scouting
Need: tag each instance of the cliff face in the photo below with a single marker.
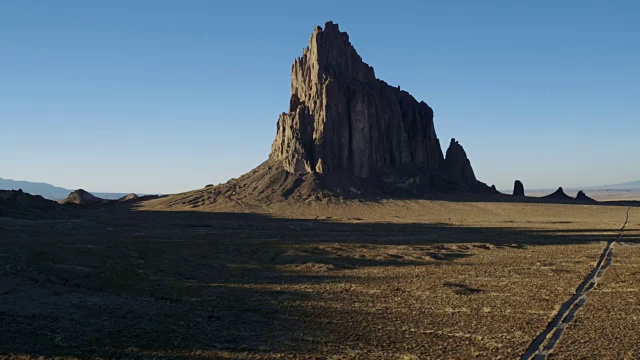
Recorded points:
(341, 118)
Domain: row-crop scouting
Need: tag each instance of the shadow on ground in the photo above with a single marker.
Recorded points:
(121, 283)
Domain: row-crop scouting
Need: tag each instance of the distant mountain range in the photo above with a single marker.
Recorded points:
(632, 185)
(49, 191)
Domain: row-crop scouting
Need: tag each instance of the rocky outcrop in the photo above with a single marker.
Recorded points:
(457, 164)
(558, 195)
(518, 188)
(80, 197)
(129, 197)
(342, 119)
(19, 204)
(581, 196)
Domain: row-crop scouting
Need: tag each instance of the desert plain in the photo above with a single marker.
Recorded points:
(393, 279)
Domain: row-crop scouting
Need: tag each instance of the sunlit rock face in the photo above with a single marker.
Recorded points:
(343, 120)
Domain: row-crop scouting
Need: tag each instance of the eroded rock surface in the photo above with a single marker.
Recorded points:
(343, 121)
(342, 118)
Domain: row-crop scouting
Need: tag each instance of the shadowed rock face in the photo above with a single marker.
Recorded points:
(581, 196)
(518, 188)
(17, 199)
(559, 195)
(341, 118)
(343, 121)
(457, 165)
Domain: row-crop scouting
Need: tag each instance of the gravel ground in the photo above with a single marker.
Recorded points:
(392, 279)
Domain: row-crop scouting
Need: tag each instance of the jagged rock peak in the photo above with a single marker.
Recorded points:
(518, 188)
(559, 195)
(581, 196)
(457, 163)
(342, 119)
(330, 50)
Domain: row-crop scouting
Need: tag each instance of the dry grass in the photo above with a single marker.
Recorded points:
(390, 279)
(607, 327)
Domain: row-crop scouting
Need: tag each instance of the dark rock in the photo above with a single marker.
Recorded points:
(581, 196)
(457, 165)
(16, 203)
(518, 188)
(558, 195)
(342, 119)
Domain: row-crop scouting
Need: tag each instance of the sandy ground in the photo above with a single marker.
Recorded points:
(608, 325)
(391, 279)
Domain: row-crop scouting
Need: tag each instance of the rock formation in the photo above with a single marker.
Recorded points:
(518, 188)
(346, 134)
(16, 203)
(457, 165)
(581, 196)
(129, 197)
(80, 197)
(342, 119)
(558, 195)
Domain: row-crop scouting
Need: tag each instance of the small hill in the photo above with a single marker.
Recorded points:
(129, 197)
(581, 196)
(558, 195)
(16, 203)
(81, 197)
(49, 191)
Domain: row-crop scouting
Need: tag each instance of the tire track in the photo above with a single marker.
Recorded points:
(547, 340)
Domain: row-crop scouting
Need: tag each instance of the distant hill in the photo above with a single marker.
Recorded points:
(49, 191)
(632, 185)
(35, 188)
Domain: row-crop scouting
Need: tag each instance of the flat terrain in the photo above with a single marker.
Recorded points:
(388, 279)
(607, 327)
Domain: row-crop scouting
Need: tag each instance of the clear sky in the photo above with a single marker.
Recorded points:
(168, 96)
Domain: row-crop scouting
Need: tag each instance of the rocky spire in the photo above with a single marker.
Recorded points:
(518, 188)
(342, 119)
(457, 165)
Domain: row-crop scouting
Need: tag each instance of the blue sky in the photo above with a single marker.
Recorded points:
(168, 96)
